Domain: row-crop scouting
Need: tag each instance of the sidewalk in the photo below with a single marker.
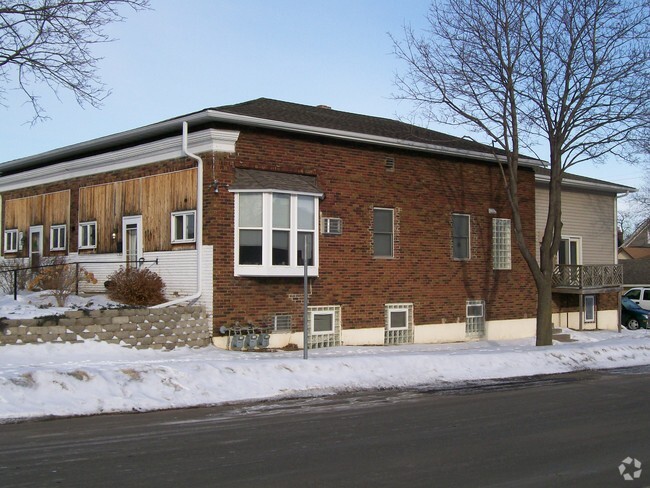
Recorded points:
(90, 378)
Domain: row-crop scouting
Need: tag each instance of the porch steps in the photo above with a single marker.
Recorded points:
(560, 336)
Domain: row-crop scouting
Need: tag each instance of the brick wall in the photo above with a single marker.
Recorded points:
(140, 328)
(424, 191)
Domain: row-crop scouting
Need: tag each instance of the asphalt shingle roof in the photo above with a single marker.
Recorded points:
(325, 117)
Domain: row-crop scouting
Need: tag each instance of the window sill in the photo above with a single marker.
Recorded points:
(275, 271)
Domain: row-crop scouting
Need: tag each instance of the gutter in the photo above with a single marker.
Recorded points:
(199, 227)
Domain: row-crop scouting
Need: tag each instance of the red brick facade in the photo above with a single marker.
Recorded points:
(423, 190)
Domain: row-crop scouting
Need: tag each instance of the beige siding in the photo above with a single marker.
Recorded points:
(590, 216)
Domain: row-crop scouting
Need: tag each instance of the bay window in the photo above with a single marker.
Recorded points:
(271, 228)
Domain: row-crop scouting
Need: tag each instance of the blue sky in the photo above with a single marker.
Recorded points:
(184, 56)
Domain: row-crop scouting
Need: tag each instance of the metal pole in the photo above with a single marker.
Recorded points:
(76, 275)
(15, 284)
(305, 338)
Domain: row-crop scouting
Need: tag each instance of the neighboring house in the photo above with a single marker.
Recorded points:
(636, 272)
(637, 246)
(408, 230)
(587, 281)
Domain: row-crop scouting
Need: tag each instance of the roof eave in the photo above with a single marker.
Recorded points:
(106, 143)
(589, 185)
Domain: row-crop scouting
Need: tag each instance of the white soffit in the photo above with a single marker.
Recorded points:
(209, 140)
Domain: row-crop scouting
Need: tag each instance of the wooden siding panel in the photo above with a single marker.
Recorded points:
(153, 197)
(47, 209)
(586, 215)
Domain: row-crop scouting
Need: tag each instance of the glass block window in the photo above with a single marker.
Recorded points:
(399, 323)
(475, 318)
(324, 324)
(501, 244)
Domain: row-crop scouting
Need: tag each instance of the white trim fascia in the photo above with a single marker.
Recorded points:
(364, 138)
(209, 140)
(590, 185)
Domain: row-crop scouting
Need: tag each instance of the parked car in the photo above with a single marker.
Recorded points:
(640, 296)
(632, 315)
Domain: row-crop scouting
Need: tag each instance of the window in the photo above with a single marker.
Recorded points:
(382, 229)
(183, 227)
(11, 240)
(399, 323)
(57, 238)
(324, 326)
(501, 247)
(590, 308)
(634, 294)
(570, 251)
(322, 322)
(88, 235)
(475, 318)
(460, 236)
(271, 232)
(282, 322)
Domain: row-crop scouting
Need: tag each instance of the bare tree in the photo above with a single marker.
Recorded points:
(50, 42)
(572, 73)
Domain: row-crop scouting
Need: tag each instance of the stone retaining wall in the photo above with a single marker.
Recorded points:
(142, 328)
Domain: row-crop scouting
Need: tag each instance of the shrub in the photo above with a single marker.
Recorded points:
(7, 276)
(134, 286)
(61, 278)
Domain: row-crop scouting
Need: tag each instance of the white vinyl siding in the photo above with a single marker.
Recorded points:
(588, 215)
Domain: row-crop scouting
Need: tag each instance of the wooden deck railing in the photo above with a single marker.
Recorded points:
(587, 276)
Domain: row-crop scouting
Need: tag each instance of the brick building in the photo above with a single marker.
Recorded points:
(407, 229)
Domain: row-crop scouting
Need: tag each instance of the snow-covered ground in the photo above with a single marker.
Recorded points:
(30, 305)
(79, 379)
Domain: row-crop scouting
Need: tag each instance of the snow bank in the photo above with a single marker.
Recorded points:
(90, 378)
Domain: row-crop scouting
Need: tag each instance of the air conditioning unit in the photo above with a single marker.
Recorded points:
(332, 226)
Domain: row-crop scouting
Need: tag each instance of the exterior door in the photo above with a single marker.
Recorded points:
(132, 234)
(35, 245)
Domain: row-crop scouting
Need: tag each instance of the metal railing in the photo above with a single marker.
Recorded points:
(587, 276)
(76, 264)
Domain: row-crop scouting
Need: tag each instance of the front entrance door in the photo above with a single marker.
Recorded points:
(132, 232)
(35, 245)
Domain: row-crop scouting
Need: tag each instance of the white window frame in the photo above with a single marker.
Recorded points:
(63, 243)
(590, 307)
(570, 239)
(467, 307)
(267, 268)
(185, 214)
(469, 237)
(11, 240)
(501, 244)
(392, 310)
(392, 234)
(313, 313)
(92, 223)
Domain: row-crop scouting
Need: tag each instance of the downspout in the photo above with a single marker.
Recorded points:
(199, 227)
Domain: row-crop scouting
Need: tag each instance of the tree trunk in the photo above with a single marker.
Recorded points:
(544, 314)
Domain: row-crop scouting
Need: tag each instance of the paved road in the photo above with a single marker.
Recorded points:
(567, 431)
